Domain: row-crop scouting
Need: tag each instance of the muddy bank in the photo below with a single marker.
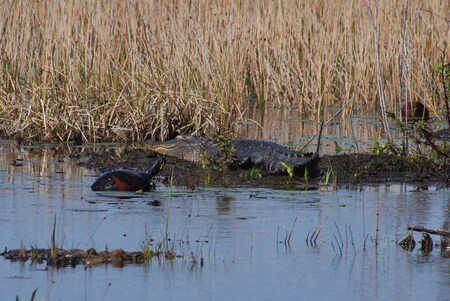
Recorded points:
(338, 170)
(384, 169)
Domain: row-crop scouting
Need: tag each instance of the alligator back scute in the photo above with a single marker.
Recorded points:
(264, 145)
(271, 156)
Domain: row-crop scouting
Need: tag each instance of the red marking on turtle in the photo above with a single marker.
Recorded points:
(121, 185)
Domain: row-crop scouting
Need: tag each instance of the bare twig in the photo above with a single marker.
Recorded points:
(322, 125)
(373, 11)
(429, 140)
(404, 80)
(445, 80)
(339, 233)
(437, 15)
(351, 237)
(431, 231)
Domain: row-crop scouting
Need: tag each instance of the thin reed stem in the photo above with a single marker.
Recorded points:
(120, 71)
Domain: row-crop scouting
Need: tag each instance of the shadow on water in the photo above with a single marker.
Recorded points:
(239, 233)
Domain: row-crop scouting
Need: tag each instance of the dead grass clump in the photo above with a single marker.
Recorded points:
(119, 71)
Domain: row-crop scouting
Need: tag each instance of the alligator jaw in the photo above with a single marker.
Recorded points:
(163, 147)
(177, 150)
(188, 148)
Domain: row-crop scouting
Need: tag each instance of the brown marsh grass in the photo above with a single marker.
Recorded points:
(129, 70)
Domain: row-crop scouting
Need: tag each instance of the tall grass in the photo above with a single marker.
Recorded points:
(129, 70)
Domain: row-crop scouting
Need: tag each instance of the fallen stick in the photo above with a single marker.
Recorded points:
(322, 125)
(431, 231)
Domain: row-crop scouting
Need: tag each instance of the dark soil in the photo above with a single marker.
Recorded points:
(342, 170)
(386, 168)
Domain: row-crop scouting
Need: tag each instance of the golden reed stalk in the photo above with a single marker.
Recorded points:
(129, 70)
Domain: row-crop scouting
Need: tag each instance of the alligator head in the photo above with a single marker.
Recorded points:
(186, 147)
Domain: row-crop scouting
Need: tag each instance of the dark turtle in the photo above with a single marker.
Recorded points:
(128, 180)
(415, 111)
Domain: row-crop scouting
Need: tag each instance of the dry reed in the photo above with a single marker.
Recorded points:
(130, 70)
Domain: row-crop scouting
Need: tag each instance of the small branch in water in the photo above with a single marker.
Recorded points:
(337, 244)
(320, 136)
(340, 236)
(322, 125)
(351, 237)
(98, 226)
(378, 227)
(292, 230)
(431, 231)
(315, 234)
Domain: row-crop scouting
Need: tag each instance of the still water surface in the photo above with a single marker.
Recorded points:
(239, 233)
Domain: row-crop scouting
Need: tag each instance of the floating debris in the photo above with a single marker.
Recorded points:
(60, 258)
(426, 244)
(154, 203)
(407, 242)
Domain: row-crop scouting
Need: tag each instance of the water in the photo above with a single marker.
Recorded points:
(353, 134)
(239, 233)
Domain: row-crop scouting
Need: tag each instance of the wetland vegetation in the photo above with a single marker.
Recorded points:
(82, 72)
(115, 71)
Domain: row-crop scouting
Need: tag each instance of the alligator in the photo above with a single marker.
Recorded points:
(128, 180)
(245, 153)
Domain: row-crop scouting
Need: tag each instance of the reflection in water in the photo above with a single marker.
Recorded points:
(224, 204)
(286, 125)
(233, 230)
(446, 225)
